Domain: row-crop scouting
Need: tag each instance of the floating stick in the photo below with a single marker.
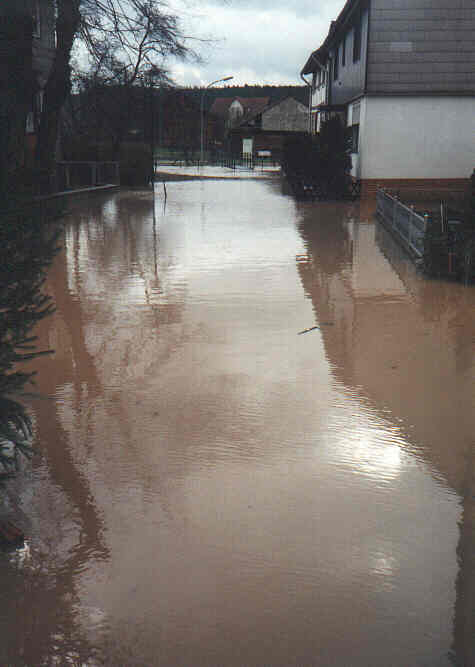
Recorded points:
(307, 330)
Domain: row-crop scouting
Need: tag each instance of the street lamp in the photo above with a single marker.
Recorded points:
(226, 78)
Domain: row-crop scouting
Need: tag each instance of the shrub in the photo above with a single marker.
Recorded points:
(136, 164)
(321, 162)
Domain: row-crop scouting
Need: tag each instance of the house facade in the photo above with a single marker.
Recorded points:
(27, 45)
(44, 44)
(401, 75)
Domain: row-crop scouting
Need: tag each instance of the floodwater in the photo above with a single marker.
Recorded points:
(213, 487)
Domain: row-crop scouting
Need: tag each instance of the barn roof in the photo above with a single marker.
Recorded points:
(251, 105)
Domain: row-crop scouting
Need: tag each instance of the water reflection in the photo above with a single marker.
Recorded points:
(407, 344)
(213, 488)
(27, 247)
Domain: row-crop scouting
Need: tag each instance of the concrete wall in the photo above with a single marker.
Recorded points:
(416, 137)
(289, 115)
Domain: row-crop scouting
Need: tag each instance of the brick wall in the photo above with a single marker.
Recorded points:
(417, 187)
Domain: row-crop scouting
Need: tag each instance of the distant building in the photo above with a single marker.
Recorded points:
(232, 110)
(257, 126)
(401, 75)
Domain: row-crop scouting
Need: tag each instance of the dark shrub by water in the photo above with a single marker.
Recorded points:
(27, 248)
(319, 165)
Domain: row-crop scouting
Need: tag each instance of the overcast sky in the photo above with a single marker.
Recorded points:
(256, 41)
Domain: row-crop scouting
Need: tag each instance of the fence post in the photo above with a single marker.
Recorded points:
(426, 222)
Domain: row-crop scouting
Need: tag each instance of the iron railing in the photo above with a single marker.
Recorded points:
(403, 220)
(219, 159)
(73, 175)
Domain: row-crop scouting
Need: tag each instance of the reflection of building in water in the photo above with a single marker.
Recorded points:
(408, 344)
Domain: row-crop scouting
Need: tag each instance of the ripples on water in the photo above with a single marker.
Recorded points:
(214, 489)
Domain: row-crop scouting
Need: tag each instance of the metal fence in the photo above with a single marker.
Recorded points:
(246, 161)
(72, 175)
(403, 220)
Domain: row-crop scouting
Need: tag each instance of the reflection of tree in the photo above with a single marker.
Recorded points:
(27, 247)
(408, 344)
(464, 621)
(95, 337)
(26, 251)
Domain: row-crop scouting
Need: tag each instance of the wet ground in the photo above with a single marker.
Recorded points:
(182, 172)
(214, 487)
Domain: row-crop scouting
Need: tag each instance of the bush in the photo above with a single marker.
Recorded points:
(136, 164)
(84, 149)
(301, 157)
(321, 161)
(335, 161)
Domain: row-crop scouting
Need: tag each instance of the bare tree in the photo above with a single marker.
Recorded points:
(124, 38)
(58, 86)
(126, 41)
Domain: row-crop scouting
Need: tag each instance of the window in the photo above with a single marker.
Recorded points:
(335, 64)
(357, 38)
(36, 19)
(30, 123)
(39, 100)
(343, 52)
(354, 138)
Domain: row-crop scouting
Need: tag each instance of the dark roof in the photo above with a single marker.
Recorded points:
(246, 118)
(322, 52)
(251, 105)
(317, 57)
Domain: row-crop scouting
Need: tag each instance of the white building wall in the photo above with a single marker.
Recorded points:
(356, 158)
(319, 96)
(417, 137)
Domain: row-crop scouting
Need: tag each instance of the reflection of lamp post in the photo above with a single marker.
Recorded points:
(226, 78)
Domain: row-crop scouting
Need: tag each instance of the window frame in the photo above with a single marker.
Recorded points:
(354, 138)
(36, 16)
(357, 37)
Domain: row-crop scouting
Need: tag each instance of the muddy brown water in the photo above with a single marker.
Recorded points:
(212, 487)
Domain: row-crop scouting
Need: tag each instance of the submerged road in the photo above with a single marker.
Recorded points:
(255, 443)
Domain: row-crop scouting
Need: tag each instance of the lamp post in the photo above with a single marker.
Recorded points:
(203, 92)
